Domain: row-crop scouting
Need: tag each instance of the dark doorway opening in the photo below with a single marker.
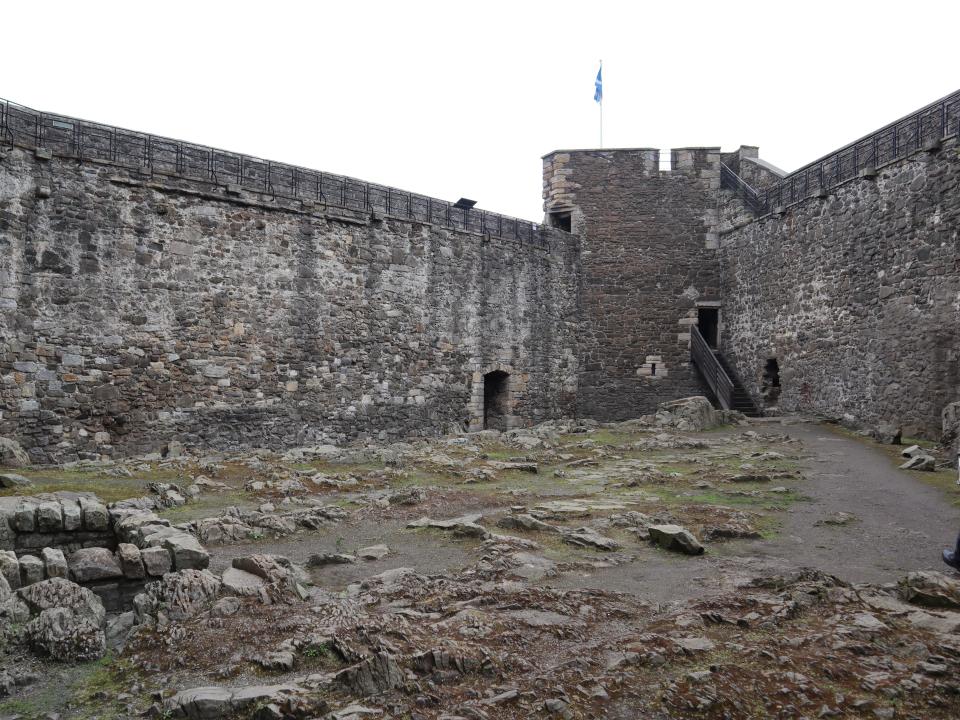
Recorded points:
(770, 386)
(496, 393)
(708, 321)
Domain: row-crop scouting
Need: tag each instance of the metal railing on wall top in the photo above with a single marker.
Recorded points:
(923, 129)
(155, 155)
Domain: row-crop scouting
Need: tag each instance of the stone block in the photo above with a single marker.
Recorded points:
(95, 515)
(130, 561)
(24, 520)
(72, 517)
(10, 568)
(54, 563)
(241, 582)
(31, 570)
(675, 537)
(7, 532)
(187, 552)
(35, 540)
(13, 480)
(91, 564)
(215, 371)
(156, 560)
(49, 517)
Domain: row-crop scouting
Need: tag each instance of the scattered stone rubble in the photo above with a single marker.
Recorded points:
(918, 459)
(401, 642)
(236, 524)
(492, 639)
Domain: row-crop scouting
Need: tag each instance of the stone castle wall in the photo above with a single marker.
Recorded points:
(139, 308)
(135, 310)
(645, 267)
(855, 295)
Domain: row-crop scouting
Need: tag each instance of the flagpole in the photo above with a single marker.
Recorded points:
(601, 112)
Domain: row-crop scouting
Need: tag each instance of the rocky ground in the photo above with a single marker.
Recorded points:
(647, 569)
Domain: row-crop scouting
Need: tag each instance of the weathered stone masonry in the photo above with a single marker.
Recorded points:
(851, 294)
(645, 267)
(855, 295)
(135, 310)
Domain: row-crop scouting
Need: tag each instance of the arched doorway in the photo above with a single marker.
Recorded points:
(496, 400)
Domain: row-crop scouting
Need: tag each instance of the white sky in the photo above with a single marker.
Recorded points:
(454, 99)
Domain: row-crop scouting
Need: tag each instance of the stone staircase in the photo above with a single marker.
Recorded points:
(720, 378)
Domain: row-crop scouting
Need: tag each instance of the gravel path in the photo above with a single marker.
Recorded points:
(901, 525)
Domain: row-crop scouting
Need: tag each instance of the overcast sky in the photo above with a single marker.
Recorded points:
(462, 99)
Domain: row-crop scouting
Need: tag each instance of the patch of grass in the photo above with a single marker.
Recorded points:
(336, 468)
(320, 656)
(418, 476)
(606, 437)
(105, 677)
(502, 452)
(209, 504)
(108, 489)
(77, 693)
(29, 707)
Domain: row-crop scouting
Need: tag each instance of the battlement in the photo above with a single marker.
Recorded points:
(639, 164)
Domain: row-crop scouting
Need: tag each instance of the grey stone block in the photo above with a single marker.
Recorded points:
(55, 563)
(25, 518)
(130, 561)
(72, 517)
(31, 570)
(91, 564)
(49, 517)
(156, 560)
(95, 515)
(10, 568)
(188, 553)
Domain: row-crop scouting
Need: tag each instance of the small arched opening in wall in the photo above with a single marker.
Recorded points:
(770, 383)
(496, 400)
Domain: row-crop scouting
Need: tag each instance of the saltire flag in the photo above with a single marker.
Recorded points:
(598, 85)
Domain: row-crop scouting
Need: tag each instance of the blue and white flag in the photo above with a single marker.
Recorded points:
(598, 84)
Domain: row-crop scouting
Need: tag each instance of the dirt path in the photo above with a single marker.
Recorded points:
(901, 524)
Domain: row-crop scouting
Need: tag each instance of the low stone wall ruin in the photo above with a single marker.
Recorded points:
(112, 550)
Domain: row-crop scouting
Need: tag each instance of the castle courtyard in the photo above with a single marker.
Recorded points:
(529, 573)
(405, 361)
